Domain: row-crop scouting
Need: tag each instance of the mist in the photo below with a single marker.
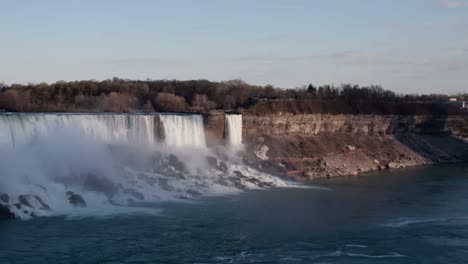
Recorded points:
(65, 169)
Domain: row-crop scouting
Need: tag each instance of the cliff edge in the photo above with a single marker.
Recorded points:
(308, 146)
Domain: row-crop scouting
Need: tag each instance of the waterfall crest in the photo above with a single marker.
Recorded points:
(179, 130)
(234, 129)
(183, 130)
(20, 129)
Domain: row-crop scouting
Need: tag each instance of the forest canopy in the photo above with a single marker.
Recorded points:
(126, 96)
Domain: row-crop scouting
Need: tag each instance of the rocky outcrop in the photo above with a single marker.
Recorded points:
(32, 201)
(310, 146)
(214, 128)
(5, 213)
(76, 199)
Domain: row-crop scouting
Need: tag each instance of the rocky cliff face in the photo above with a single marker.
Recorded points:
(309, 146)
(214, 124)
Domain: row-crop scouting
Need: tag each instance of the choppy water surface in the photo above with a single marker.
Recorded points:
(406, 216)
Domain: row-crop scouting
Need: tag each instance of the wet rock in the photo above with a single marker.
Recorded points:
(100, 184)
(212, 161)
(4, 198)
(76, 200)
(239, 174)
(42, 187)
(178, 175)
(5, 213)
(32, 201)
(164, 184)
(176, 163)
(237, 182)
(223, 167)
(135, 194)
(261, 153)
(194, 193)
(222, 181)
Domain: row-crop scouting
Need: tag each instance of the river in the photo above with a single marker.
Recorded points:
(416, 215)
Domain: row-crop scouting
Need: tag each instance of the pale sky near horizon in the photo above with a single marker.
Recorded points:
(408, 46)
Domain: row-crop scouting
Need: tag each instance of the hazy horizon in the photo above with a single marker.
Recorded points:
(418, 46)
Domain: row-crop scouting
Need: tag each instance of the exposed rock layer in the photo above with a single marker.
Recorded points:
(309, 146)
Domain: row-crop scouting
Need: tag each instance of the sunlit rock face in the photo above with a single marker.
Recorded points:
(306, 146)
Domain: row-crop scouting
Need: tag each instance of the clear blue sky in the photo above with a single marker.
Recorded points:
(411, 46)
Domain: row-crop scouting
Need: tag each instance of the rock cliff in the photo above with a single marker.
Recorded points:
(316, 145)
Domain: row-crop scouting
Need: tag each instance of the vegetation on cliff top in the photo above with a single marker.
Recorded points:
(118, 95)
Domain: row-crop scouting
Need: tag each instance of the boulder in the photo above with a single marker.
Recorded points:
(134, 193)
(176, 163)
(261, 153)
(392, 165)
(351, 148)
(4, 198)
(76, 200)
(5, 213)
(239, 174)
(32, 201)
(223, 167)
(212, 161)
(96, 183)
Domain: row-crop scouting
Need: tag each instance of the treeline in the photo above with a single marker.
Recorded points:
(119, 95)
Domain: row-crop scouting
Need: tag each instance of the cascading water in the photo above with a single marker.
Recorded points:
(24, 128)
(234, 129)
(183, 130)
(81, 164)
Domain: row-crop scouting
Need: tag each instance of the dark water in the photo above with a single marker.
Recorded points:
(406, 216)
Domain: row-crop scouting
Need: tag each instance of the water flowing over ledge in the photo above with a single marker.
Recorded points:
(81, 164)
(175, 130)
(234, 129)
(183, 130)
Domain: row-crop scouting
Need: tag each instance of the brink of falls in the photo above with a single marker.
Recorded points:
(179, 130)
(234, 130)
(183, 130)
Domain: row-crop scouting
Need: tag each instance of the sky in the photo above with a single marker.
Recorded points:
(408, 46)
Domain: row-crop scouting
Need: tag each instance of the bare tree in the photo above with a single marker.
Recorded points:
(168, 102)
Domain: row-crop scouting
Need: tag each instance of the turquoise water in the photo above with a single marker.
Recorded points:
(417, 215)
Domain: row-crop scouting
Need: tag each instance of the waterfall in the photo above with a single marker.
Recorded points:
(65, 164)
(233, 127)
(19, 129)
(183, 130)
(179, 130)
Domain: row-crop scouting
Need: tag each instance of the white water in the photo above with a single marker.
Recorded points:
(179, 130)
(113, 162)
(183, 130)
(25, 128)
(234, 129)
